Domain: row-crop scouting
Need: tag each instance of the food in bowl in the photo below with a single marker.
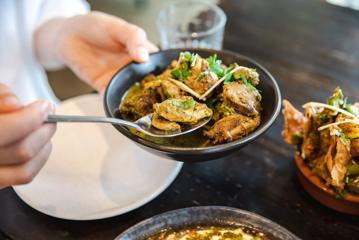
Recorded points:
(210, 233)
(326, 137)
(193, 88)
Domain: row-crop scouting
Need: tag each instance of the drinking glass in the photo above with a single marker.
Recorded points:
(191, 24)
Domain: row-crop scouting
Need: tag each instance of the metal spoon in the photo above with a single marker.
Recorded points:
(143, 124)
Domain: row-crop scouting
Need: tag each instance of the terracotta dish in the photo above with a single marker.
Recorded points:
(316, 187)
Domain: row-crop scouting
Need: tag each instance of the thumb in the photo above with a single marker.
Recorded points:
(136, 42)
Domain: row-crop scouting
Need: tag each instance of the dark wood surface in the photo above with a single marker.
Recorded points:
(310, 47)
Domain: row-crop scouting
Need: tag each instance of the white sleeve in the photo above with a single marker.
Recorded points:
(64, 8)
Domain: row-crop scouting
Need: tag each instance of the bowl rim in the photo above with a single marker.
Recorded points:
(319, 182)
(209, 149)
(245, 213)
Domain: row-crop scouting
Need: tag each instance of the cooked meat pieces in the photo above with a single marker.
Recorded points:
(293, 123)
(311, 139)
(244, 99)
(138, 105)
(163, 124)
(200, 80)
(171, 90)
(232, 128)
(246, 73)
(337, 159)
(163, 88)
(183, 109)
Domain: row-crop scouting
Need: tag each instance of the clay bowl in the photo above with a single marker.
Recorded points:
(317, 188)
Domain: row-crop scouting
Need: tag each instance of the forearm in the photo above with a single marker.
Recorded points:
(46, 43)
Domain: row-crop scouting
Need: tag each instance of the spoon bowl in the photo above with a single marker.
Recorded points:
(143, 124)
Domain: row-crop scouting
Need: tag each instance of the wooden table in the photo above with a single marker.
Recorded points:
(310, 47)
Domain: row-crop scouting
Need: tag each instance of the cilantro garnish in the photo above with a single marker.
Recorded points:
(214, 65)
(323, 117)
(186, 104)
(201, 75)
(180, 74)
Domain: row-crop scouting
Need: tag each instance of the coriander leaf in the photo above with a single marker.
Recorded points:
(214, 65)
(337, 99)
(249, 85)
(180, 74)
(186, 104)
(201, 75)
(186, 56)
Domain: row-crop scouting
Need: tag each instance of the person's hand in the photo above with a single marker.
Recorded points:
(24, 138)
(94, 46)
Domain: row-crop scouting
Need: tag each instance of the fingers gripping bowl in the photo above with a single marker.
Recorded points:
(191, 148)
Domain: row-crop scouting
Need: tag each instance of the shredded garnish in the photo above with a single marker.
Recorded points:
(338, 123)
(336, 109)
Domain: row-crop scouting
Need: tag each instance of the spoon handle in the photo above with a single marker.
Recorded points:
(96, 119)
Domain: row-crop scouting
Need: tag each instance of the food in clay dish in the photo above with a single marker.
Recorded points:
(326, 137)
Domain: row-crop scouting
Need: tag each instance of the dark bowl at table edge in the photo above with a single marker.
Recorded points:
(189, 154)
(216, 216)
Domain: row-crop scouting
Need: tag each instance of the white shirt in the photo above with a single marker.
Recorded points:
(19, 68)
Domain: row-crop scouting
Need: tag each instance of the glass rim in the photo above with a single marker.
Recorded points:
(214, 7)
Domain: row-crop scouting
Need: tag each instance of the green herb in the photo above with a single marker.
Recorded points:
(201, 75)
(229, 75)
(186, 104)
(186, 56)
(257, 238)
(214, 65)
(342, 193)
(343, 138)
(180, 74)
(323, 117)
(337, 98)
(249, 85)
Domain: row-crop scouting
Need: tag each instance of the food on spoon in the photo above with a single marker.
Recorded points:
(175, 96)
(327, 138)
(164, 124)
(184, 109)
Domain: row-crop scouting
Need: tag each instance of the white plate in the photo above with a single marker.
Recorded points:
(95, 172)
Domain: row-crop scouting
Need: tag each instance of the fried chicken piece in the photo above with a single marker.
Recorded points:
(171, 90)
(337, 159)
(138, 105)
(244, 99)
(200, 83)
(183, 109)
(163, 124)
(311, 136)
(249, 74)
(293, 123)
(232, 128)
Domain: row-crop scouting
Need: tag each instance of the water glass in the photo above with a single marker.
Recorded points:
(191, 24)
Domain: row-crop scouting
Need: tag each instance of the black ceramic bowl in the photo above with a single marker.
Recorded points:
(206, 216)
(133, 72)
